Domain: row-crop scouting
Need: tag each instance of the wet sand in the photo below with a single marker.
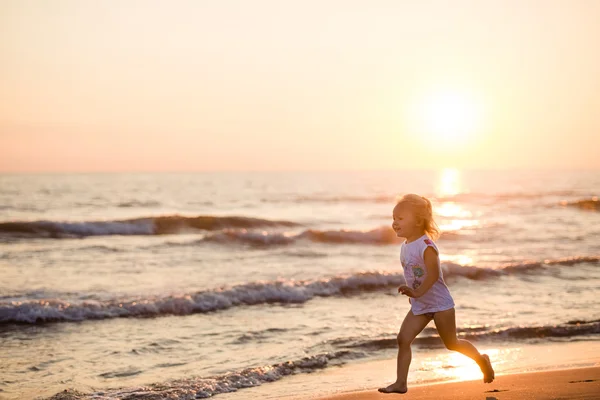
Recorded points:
(579, 383)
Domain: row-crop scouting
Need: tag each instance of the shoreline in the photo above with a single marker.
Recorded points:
(429, 369)
(359, 381)
(573, 383)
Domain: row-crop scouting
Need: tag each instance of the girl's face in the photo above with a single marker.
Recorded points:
(405, 223)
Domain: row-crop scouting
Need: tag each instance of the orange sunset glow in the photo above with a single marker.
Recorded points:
(270, 85)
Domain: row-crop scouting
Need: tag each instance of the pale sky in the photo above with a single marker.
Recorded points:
(298, 85)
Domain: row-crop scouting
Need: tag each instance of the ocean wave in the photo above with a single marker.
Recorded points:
(591, 204)
(37, 310)
(379, 236)
(281, 291)
(170, 224)
(204, 387)
(566, 330)
(383, 235)
(225, 230)
(479, 273)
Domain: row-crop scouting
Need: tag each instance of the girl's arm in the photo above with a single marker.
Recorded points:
(432, 265)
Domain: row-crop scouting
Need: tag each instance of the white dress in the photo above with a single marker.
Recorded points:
(438, 297)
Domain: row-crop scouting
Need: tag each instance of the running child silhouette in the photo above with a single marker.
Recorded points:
(428, 294)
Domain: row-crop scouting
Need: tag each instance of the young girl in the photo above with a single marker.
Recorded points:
(428, 294)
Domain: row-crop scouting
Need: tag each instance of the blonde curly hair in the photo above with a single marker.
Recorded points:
(422, 208)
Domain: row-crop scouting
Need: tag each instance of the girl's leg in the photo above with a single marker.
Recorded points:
(411, 327)
(445, 322)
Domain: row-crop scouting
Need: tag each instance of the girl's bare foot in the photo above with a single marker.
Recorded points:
(395, 387)
(486, 368)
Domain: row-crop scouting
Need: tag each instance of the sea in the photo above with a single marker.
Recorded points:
(236, 284)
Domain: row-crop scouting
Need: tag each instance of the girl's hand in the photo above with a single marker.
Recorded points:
(405, 290)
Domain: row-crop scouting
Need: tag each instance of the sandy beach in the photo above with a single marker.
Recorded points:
(579, 383)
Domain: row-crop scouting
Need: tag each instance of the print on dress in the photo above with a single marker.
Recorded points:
(418, 272)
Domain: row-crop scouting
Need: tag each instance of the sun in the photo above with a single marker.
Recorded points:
(450, 117)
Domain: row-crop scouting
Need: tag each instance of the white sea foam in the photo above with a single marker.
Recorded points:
(204, 387)
(253, 293)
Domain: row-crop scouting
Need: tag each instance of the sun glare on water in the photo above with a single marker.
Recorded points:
(449, 183)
